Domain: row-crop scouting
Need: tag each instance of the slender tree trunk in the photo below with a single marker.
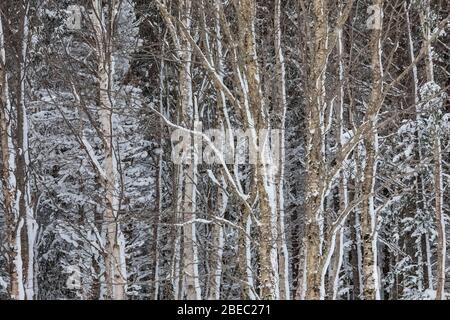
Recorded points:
(440, 222)
(222, 122)
(256, 119)
(245, 257)
(20, 218)
(283, 256)
(370, 140)
(314, 153)
(218, 242)
(190, 252)
(426, 21)
(343, 194)
(115, 264)
(155, 249)
(9, 187)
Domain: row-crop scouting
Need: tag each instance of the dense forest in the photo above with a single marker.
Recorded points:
(224, 149)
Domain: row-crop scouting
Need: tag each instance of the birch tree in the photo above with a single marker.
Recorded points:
(368, 215)
(283, 255)
(103, 20)
(16, 286)
(16, 166)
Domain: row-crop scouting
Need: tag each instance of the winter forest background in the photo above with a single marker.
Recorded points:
(93, 205)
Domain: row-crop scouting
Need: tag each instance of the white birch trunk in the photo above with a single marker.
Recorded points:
(189, 206)
(222, 197)
(26, 224)
(283, 257)
(218, 242)
(115, 264)
(343, 195)
(9, 186)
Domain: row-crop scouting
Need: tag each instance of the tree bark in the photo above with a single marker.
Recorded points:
(115, 264)
(370, 141)
(283, 255)
(9, 186)
(314, 153)
(257, 122)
